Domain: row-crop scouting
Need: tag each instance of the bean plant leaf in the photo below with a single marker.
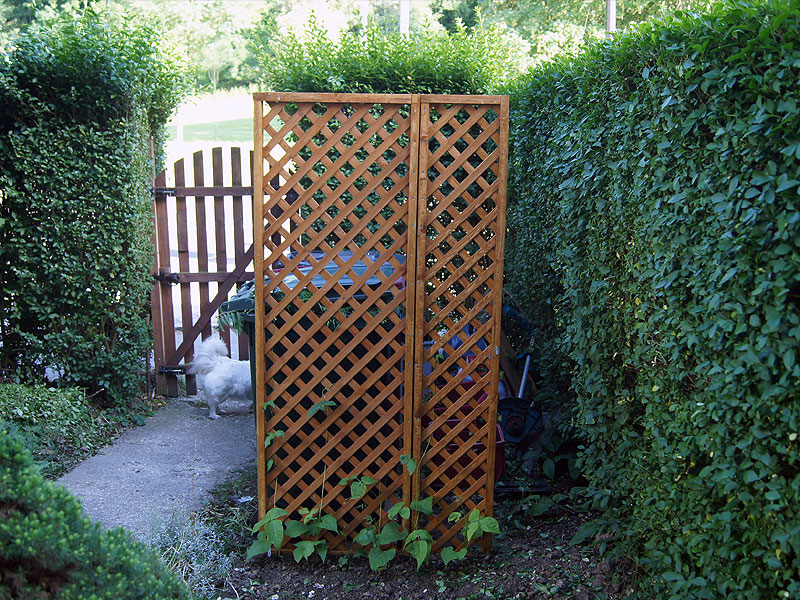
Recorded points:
(357, 490)
(302, 550)
(295, 529)
(424, 506)
(449, 554)
(391, 533)
(329, 522)
(400, 509)
(378, 559)
(365, 536)
(257, 548)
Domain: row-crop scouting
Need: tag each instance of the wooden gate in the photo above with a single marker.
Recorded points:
(379, 251)
(198, 229)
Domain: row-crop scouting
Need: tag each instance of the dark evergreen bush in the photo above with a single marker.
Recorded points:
(50, 549)
(654, 235)
(80, 99)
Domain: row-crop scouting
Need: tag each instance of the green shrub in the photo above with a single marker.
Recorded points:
(431, 62)
(50, 549)
(80, 100)
(654, 234)
(56, 425)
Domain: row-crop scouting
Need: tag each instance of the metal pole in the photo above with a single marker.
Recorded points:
(611, 17)
(405, 16)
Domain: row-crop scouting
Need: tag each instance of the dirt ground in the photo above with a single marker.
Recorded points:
(532, 559)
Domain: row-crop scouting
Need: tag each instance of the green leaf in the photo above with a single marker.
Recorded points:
(788, 359)
(365, 537)
(322, 549)
(274, 531)
(449, 554)
(257, 548)
(302, 550)
(410, 463)
(398, 509)
(424, 506)
(357, 490)
(378, 559)
(275, 513)
(549, 468)
(420, 550)
(390, 534)
(489, 525)
(329, 522)
(295, 529)
(322, 405)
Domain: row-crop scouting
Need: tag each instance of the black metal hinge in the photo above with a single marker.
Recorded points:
(164, 191)
(165, 277)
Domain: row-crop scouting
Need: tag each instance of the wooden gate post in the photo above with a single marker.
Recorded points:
(161, 296)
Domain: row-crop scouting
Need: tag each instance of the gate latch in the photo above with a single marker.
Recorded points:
(164, 277)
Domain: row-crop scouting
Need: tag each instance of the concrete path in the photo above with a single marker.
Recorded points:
(168, 464)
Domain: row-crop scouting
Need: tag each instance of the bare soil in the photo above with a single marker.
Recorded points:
(532, 559)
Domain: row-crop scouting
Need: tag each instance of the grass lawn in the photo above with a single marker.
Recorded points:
(225, 131)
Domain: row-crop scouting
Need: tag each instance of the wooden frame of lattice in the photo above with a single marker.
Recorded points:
(379, 241)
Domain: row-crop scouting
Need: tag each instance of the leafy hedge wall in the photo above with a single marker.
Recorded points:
(80, 100)
(654, 235)
(430, 62)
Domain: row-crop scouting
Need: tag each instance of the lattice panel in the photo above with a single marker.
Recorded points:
(361, 195)
(463, 162)
(335, 221)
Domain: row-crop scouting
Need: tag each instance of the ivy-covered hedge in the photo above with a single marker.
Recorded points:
(80, 99)
(50, 549)
(654, 235)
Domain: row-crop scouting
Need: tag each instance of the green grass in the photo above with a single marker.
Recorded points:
(236, 130)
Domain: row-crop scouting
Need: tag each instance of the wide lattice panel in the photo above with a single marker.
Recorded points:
(335, 230)
(463, 167)
(380, 242)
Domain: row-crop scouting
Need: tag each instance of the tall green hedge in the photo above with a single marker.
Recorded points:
(654, 234)
(429, 62)
(80, 99)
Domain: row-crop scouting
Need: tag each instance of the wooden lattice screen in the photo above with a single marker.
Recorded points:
(377, 327)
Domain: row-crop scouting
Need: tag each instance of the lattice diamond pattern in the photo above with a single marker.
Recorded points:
(345, 197)
(460, 260)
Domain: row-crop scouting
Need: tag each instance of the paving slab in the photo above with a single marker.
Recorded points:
(169, 464)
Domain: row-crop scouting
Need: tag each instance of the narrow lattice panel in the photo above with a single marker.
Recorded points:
(335, 260)
(379, 242)
(463, 167)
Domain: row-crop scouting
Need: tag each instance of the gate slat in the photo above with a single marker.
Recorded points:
(238, 231)
(219, 228)
(202, 237)
(183, 262)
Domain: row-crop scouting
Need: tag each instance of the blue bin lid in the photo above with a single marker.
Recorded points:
(243, 300)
